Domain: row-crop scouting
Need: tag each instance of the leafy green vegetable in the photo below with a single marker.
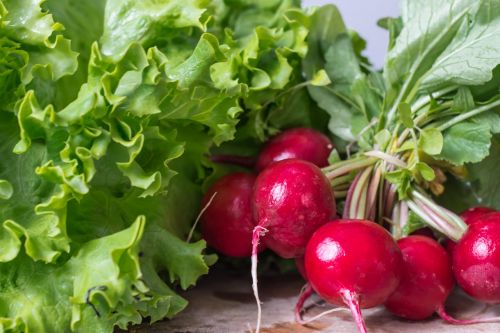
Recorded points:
(104, 142)
(431, 141)
(470, 58)
(466, 142)
(351, 99)
(433, 109)
(405, 115)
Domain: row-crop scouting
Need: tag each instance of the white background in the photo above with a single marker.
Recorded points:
(362, 16)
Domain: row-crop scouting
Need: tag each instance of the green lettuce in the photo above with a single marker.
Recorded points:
(110, 109)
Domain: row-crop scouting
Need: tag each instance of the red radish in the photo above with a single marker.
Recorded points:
(469, 216)
(292, 198)
(472, 214)
(227, 223)
(302, 143)
(476, 259)
(353, 263)
(427, 279)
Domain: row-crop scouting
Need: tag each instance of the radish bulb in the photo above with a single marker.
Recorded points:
(426, 282)
(353, 263)
(301, 143)
(292, 198)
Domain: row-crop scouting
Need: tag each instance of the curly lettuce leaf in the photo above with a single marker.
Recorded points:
(122, 134)
(24, 214)
(85, 292)
(145, 21)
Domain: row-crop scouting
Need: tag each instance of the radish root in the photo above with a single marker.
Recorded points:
(305, 293)
(441, 311)
(322, 314)
(258, 231)
(351, 299)
(190, 235)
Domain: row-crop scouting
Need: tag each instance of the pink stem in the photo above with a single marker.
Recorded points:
(360, 199)
(372, 195)
(449, 319)
(305, 293)
(390, 196)
(351, 300)
(350, 193)
(244, 161)
(258, 231)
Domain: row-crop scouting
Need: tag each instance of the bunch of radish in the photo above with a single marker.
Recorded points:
(289, 207)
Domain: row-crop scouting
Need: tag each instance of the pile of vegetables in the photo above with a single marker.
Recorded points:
(117, 116)
(413, 143)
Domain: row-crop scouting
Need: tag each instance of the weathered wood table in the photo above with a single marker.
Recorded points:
(223, 303)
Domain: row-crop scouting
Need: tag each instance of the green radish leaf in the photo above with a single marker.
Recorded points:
(431, 141)
(479, 188)
(320, 79)
(394, 26)
(402, 179)
(383, 138)
(463, 100)
(466, 142)
(484, 180)
(405, 115)
(413, 224)
(407, 145)
(428, 26)
(426, 171)
(351, 99)
(334, 157)
(474, 52)
(490, 118)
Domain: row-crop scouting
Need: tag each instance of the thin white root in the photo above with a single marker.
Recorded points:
(322, 314)
(199, 217)
(258, 231)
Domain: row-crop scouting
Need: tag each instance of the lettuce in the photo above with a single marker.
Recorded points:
(109, 110)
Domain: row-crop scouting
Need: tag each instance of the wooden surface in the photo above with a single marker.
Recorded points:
(223, 303)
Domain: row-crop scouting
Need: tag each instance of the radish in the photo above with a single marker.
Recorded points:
(353, 263)
(469, 216)
(227, 222)
(291, 198)
(427, 279)
(476, 259)
(474, 213)
(302, 143)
